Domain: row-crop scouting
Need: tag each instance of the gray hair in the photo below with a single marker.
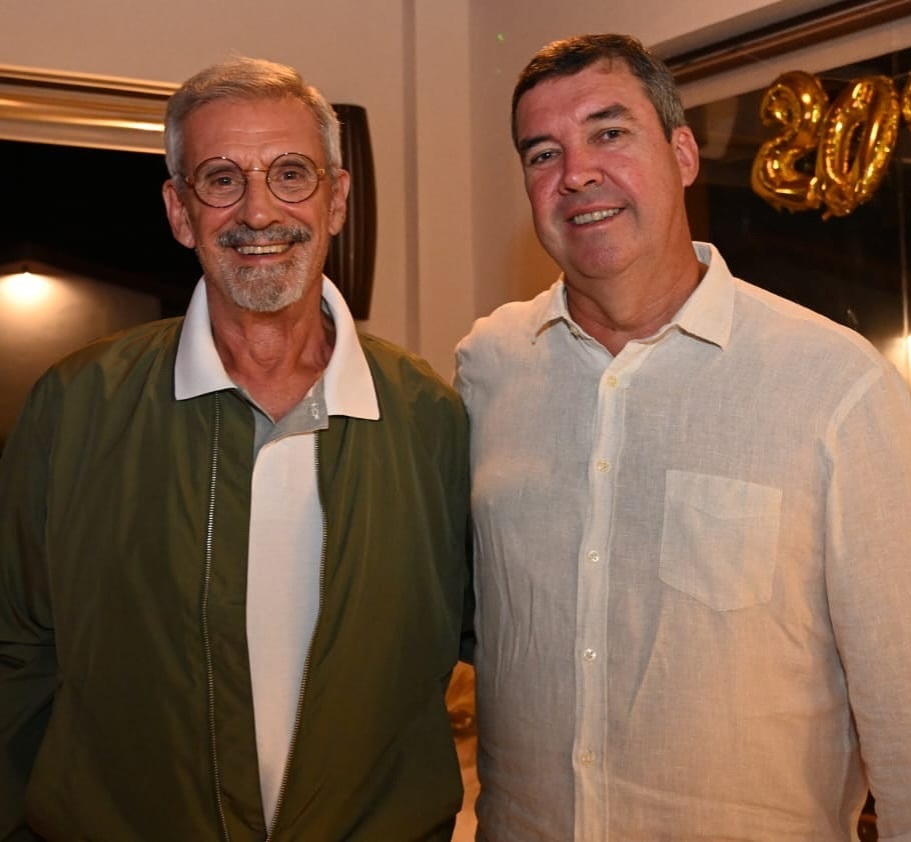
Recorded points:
(572, 55)
(247, 79)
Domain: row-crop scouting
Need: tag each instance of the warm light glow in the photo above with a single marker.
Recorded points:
(898, 352)
(25, 289)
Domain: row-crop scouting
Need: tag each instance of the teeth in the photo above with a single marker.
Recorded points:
(272, 248)
(594, 216)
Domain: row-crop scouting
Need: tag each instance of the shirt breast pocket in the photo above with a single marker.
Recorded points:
(719, 539)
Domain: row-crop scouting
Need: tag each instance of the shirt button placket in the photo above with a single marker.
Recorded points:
(592, 606)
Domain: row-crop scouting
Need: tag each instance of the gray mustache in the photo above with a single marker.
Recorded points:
(244, 236)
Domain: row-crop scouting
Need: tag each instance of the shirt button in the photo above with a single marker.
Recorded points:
(589, 654)
(587, 758)
(602, 465)
(594, 556)
(612, 381)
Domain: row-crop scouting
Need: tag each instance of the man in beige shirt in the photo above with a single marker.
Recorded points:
(692, 503)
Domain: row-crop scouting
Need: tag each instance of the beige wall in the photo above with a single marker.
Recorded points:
(435, 77)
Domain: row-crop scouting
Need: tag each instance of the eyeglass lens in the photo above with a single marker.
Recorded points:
(291, 177)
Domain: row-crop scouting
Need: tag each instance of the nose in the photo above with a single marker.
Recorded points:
(258, 207)
(581, 169)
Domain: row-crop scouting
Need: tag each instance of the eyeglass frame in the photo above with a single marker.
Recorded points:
(190, 180)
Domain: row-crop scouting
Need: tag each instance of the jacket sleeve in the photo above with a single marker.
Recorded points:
(28, 663)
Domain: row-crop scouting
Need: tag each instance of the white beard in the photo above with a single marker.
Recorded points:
(263, 289)
(266, 289)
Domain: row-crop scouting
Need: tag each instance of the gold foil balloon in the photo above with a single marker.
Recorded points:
(906, 102)
(796, 101)
(857, 142)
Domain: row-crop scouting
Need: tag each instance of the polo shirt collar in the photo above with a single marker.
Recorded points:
(347, 382)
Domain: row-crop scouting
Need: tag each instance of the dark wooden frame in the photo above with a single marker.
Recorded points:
(804, 30)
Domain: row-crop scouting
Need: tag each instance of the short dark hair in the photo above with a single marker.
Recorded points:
(572, 55)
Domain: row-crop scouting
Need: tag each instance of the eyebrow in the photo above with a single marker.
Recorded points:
(611, 112)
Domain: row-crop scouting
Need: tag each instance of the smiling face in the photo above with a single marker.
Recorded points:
(605, 184)
(260, 254)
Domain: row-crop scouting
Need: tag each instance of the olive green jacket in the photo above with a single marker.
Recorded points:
(125, 699)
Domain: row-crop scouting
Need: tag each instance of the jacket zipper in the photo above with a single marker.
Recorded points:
(306, 670)
(204, 620)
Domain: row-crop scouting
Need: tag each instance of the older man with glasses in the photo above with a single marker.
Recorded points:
(233, 545)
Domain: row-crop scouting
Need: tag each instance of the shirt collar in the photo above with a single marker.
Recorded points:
(348, 384)
(707, 314)
(709, 311)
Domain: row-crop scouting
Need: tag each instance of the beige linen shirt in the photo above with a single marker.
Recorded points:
(692, 574)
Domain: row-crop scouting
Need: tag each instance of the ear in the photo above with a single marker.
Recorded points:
(686, 150)
(338, 202)
(178, 215)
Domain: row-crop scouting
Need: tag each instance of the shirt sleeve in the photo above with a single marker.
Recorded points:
(28, 664)
(868, 578)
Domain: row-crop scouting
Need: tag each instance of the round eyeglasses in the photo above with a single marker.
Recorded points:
(220, 183)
